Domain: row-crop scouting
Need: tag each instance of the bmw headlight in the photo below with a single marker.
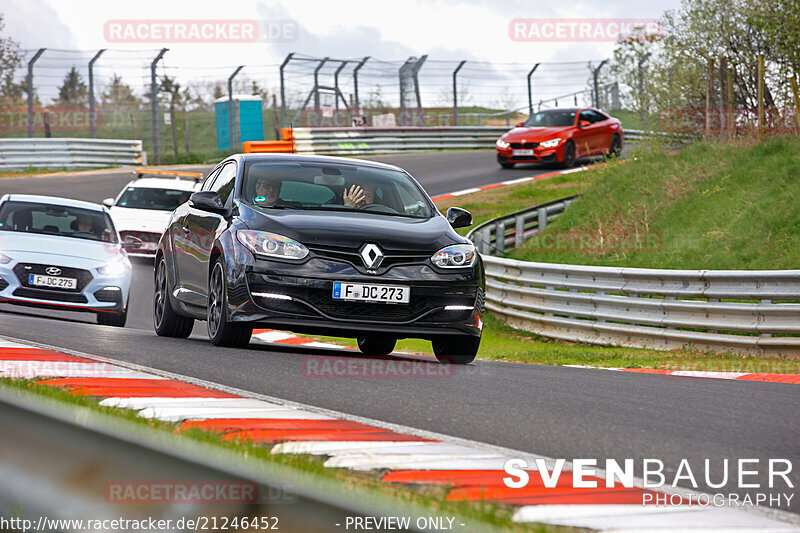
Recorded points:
(454, 256)
(502, 144)
(271, 244)
(4, 259)
(114, 268)
(550, 143)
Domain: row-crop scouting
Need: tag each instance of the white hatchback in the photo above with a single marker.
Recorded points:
(143, 207)
(63, 254)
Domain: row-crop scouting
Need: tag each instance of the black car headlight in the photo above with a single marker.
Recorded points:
(271, 245)
(454, 256)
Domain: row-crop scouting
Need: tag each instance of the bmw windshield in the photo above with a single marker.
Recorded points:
(330, 187)
(549, 119)
(63, 221)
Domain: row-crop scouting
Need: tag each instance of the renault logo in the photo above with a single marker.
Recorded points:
(372, 256)
(53, 271)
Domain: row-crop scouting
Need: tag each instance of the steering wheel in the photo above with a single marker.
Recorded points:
(378, 207)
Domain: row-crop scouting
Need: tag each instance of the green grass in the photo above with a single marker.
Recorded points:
(713, 206)
(430, 497)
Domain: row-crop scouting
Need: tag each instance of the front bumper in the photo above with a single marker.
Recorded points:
(96, 293)
(302, 300)
(540, 155)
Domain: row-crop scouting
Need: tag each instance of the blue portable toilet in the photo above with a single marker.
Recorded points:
(249, 120)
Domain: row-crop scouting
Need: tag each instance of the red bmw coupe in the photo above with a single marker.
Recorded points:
(560, 136)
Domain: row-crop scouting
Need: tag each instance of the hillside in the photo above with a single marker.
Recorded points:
(713, 206)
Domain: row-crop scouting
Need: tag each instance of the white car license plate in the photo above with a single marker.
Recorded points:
(365, 292)
(522, 152)
(52, 281)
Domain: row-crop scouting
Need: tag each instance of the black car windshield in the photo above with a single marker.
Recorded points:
(329, 187)
(551, 118)
(64, 221)
(150, 198)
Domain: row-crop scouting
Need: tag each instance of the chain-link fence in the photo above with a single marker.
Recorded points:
(109, 94)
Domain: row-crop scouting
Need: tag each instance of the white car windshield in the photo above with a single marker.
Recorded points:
(64, 221)
(151, 198)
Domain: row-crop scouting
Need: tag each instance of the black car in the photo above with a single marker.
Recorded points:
(319, 245)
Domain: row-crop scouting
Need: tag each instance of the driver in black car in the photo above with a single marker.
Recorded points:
(358, 196)
(267, 193)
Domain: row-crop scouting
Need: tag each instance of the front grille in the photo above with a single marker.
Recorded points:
(354, 258)
(144, 236)
(23, 270)
(54, 295)
(3, 284)
(524, 145)
(524, 158)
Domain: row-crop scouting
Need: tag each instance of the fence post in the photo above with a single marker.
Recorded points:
(316, 88)
(231, 115)
(336, 84)
(519, 231)
(455, 93)
(92, 114)
(530, 91)
(542, 219)
(709, 93)
(355, 83)
(760, 92)
(595, 74)
(283, 90)
(723, 101)
(641, 99)
(500, 237)
(154, 103)
(30, 89)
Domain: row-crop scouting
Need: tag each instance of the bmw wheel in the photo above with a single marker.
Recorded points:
(221, 331)
(166, 321)
(569, 155)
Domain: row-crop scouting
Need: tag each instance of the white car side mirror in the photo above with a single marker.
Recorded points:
(108, 202)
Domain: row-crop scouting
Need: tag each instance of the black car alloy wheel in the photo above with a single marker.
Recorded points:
(221, 331)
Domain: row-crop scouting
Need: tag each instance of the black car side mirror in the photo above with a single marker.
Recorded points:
(459, 218)
(207, 201)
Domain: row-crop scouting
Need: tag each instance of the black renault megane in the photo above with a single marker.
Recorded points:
(319, 245)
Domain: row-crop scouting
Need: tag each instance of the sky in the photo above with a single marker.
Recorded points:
(446, 30)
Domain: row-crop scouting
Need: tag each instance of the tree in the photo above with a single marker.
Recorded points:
(119, 96)
(11, 92)
(73, 92)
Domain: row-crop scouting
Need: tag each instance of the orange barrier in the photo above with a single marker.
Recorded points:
(267, 147)
(141, 171)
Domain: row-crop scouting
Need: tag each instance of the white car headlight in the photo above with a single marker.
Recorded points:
(114, 268)
(4, 259)
(455, 256)
(502, 144)
(550, 143)
(271, 244)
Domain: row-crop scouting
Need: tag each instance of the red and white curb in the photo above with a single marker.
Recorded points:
(472, 471)
(511, 182)
(771, 377)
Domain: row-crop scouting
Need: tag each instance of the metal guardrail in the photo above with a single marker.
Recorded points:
(352, 141)
(721, 310)
(61, 460)
(69, 153)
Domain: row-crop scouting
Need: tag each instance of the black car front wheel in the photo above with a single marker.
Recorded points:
(375, 345)
(456, 349)
(221, 331)
(167, 322)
